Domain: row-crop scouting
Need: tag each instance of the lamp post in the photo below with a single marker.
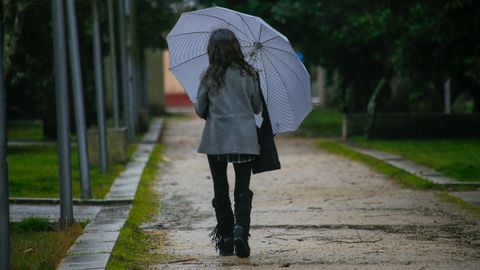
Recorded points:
(61, 90)
(446, 97)
(4, 204)
(97, 62)
(77, 84)
(113, 63)
(127, 112)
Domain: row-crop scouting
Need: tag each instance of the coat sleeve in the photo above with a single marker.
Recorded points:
(201, 106)
(256, 98)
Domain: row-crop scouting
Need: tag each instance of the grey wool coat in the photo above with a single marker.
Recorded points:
(229, 114)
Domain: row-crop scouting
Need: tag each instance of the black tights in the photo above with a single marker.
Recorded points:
(218, 169)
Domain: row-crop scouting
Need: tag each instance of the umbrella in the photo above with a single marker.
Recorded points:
(284, 81)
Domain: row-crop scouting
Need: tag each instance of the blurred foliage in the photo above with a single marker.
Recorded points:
(155, 19)
(415, 45)
(28, 53)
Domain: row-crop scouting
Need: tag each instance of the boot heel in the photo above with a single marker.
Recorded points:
(227, 247)
(242, 248)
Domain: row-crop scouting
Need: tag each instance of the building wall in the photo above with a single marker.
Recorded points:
(171, 84)
(175, 96)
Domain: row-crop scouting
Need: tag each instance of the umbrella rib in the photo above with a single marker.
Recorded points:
(285, 64)
(265, 72)
(280, 78)
(189, 33)
(260, 32)
(270, 47)
(223, 20)
(256, 55)
(270, 39)
(193, 58)
(253, 63)
(241, 18)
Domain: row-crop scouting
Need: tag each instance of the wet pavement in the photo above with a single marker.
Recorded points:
(320, 211)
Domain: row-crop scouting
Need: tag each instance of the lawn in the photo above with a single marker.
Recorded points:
(33, 172)
(456, 158)
(133, 249)
(25, 131)
(322, 122)
(38, 244)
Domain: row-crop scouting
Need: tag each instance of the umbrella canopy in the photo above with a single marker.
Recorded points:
(284, 80)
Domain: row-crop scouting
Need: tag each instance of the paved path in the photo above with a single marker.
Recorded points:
(319, 211)
(51, 212)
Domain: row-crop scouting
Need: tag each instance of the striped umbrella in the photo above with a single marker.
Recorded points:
(284, 80)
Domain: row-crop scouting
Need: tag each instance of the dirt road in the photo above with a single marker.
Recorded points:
(320, 211)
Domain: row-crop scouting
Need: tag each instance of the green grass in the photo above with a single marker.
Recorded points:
(33, 224)
(134, 245)
(322, 122)
(38, 244)
(33, 172)
(456, 158)
(400, 176)
(25, 131)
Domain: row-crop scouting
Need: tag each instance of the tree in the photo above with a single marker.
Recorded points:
(29, 54)
(364, 41)
(440, 41)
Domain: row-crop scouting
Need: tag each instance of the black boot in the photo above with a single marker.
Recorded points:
(243, 208)
(222, 235)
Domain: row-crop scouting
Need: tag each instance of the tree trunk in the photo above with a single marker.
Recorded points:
(49, 128)
(476, 100)
(373, 106)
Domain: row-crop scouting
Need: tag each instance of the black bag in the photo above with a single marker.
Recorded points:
(268, 158)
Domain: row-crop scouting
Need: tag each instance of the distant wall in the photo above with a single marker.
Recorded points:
(154, 81)
(414, 125)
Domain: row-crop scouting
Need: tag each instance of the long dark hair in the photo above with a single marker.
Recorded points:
(223, 51)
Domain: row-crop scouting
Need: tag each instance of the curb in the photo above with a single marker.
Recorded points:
(469, 196)
(411, 167)
(56, 201)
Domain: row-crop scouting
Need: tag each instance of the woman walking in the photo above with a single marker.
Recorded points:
(228, 97)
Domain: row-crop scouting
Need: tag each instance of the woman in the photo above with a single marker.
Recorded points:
(228, 97)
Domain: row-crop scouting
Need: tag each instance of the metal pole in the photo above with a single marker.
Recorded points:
(137, 55)
(131, 92)
(113, 62)
(76, 73)
(446, 97)
(97, 62)
(123, 62)
(63, 129)
(143, 80)
(131, 65)
(4, 203)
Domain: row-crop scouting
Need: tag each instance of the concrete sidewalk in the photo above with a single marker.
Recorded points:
(319, 211)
